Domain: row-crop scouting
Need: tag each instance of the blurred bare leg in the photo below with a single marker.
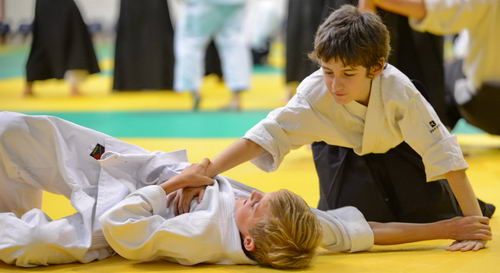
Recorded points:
(235, 103)
(28, 89)
(74, 79)
(196, 100)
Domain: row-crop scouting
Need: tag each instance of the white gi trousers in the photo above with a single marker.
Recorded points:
(199, 22)
(45, 153)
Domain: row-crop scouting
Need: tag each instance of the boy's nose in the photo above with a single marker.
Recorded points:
(335, 85)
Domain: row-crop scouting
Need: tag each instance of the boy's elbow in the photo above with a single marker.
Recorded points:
(252, 145)
(455, 174)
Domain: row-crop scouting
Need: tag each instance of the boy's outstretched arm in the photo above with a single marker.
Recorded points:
(239, 152)
(462, 189)
(458, 228)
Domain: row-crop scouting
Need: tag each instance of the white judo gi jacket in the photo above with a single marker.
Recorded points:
(141, 227)
(396, 112)
(46, 153)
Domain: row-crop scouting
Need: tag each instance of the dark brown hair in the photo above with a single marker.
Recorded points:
(353, 37)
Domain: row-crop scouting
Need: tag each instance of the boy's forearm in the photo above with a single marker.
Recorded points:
(193, 175)
(173, 184)
(400, 233)
(239, 152)
(464, 193)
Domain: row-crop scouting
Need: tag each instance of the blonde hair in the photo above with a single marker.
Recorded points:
(288, 237)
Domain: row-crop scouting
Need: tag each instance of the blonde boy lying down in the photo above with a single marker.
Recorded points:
(125, 201)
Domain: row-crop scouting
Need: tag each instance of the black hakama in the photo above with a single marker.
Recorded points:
(61, 42)
(144, 53)
(384, 187)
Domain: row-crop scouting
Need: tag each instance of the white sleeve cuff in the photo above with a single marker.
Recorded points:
(345, 229)
(270, 159)
(443, 157)
(155, 196)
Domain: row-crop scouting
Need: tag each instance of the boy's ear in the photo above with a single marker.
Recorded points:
(377, 69)
(249, 243)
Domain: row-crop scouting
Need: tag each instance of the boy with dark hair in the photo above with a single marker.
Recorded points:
(390, 141)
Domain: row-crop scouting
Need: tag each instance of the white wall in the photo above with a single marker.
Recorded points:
(103, 11)
(19, 11)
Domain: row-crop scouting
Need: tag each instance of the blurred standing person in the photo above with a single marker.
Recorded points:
(200, 21)
(144, 52)
(266, 19)
(61, 47)
(473, 83)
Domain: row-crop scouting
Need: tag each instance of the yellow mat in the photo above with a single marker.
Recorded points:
(267, 92)
(297, 174)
